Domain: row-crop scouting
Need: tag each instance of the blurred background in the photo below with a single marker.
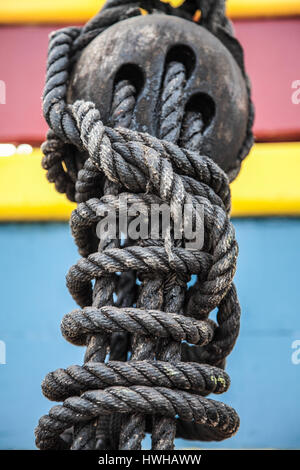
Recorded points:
(37, 248)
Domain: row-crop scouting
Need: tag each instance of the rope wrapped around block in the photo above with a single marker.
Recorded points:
(165, 354)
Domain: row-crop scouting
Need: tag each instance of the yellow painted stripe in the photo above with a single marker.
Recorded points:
(48, 11)
(262, 8)
(267, 185)
(77, 11)
(25, 193)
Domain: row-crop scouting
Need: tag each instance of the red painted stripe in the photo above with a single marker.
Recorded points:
(23, 52)
(272, 61)
(271, 58)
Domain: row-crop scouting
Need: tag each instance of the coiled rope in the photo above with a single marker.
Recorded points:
(177, 352)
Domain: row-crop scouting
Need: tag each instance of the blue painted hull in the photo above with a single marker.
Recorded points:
(265, 386)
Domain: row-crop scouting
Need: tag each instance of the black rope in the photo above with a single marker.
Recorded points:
(177, 352)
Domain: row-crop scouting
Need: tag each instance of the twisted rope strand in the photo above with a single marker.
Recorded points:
(170, 330)
(145, 400)
(78, 285)
(172, 111)
(97, 345)
(73, 381)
